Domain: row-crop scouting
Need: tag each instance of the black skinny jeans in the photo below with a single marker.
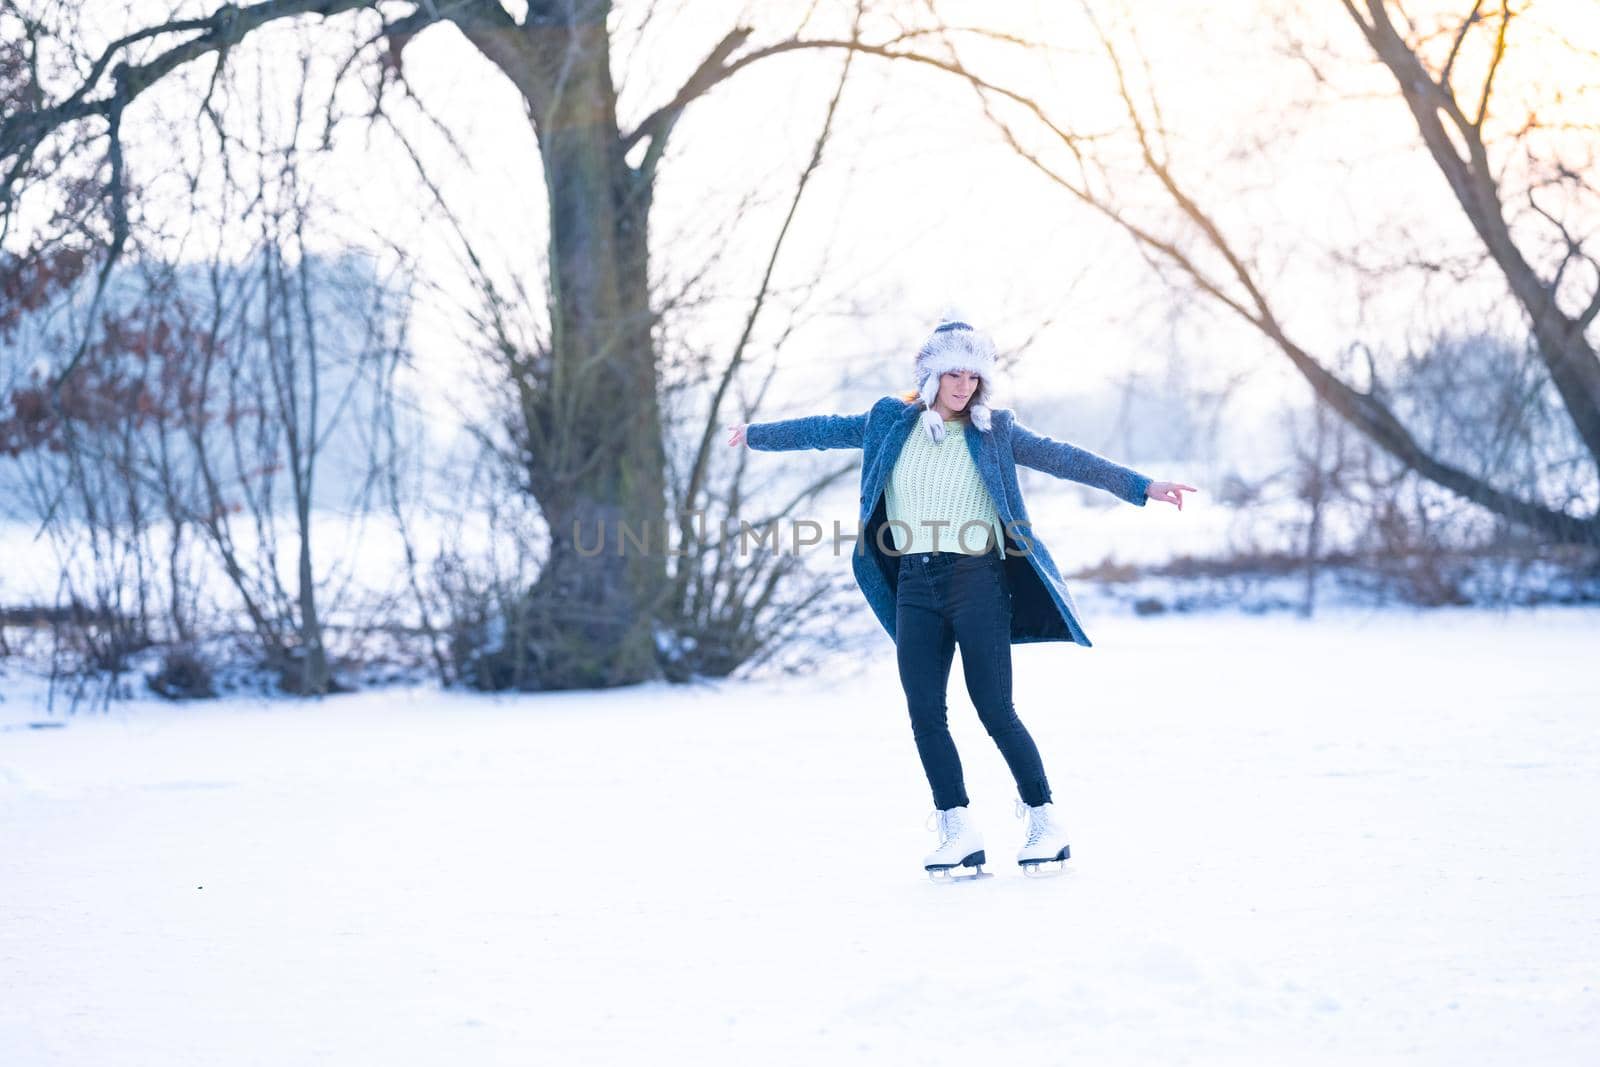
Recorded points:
(946, 598)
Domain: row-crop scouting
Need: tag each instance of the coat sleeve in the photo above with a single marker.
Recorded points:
(813, 431)
(1076, 464)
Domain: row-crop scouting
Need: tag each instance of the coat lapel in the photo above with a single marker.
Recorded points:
(884, 459)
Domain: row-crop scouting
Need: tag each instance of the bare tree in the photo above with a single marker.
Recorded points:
(1559, 296)
(194, 430)
(75, 462)
(725, 609)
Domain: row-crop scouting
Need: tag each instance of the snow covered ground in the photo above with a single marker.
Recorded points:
(1368, 838)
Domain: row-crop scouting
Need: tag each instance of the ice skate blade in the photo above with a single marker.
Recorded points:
(1043, 868)
(970, 869)
(1046, 868)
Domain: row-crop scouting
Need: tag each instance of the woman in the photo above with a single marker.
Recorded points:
(960, 566)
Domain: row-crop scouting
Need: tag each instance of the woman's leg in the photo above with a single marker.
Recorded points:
(925, 647)
(980, 605)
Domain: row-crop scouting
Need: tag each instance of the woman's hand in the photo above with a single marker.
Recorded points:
(736, 434)
(1171, 492)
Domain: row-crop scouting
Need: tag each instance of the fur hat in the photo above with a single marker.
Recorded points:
(955, 345)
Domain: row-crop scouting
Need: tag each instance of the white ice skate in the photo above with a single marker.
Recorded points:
(959, 857)
(1045, 850)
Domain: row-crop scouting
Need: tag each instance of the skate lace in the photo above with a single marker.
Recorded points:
(1039, 823)
(949, 825)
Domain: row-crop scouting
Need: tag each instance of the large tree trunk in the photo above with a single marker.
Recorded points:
(590, 417)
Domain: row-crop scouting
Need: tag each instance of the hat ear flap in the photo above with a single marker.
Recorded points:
(979, 406)
(980, 417)
(932, 421)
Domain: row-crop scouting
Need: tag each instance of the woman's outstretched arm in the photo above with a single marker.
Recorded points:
(813, 431)
(1077, 464)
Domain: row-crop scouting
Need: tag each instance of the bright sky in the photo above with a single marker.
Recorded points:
(920, 206)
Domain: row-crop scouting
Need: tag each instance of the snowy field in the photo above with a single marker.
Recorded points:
(1371, 838)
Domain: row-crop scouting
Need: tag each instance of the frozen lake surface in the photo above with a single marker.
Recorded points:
(1368, 838)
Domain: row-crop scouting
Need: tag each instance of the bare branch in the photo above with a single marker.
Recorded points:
(658, 126)
(1494, 64)
(21, 134)
(1461, 35)
(225, 27)
(714, 71)
(702, 452)
(1587, 317)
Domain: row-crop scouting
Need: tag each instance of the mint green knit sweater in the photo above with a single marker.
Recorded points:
(934, 490)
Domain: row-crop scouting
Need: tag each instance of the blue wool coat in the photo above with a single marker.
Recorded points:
(1042, 608)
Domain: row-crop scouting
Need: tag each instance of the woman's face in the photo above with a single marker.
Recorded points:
(956, 388)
